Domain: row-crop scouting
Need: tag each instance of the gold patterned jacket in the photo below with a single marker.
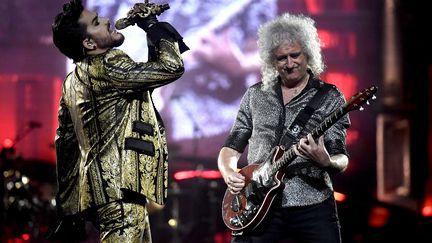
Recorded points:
(110, 141)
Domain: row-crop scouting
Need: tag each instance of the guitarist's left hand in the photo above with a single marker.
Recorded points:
(316, 151)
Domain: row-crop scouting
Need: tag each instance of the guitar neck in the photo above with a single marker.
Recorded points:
(328, 122)
(290, 154)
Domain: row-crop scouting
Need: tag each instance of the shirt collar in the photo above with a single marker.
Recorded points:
(313, 83)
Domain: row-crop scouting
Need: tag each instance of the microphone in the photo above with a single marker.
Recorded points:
(123, 23)
(140, 10)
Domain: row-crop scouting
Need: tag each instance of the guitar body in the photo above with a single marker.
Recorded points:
(269, 194)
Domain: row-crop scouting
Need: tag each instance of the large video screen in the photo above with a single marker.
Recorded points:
(199, 109)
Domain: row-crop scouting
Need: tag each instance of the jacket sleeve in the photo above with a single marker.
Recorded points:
(241, 131)
(67, 156)
(124, 73)
(335, 136)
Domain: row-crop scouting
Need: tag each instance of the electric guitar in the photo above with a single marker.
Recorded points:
(247, 209)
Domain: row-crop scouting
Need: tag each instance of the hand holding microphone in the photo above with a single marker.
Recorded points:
(142, 14)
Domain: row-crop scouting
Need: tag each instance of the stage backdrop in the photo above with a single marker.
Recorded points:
(198, 109)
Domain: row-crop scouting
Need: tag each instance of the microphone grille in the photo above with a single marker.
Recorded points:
(123, 23)
(164, 7)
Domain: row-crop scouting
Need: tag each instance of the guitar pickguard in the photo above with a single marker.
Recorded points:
(261, 176)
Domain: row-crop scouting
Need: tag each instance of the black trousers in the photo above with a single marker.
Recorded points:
(309, 224)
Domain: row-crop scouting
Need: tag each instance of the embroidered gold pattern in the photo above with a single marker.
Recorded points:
(102, 98)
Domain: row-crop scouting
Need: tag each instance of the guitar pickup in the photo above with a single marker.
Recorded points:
(254, 192)
(235, 203)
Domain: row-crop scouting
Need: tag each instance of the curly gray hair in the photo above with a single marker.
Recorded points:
(292, 28)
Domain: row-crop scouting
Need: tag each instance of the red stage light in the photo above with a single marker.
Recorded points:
(427, 201)
(7, 143)
(25, 237)
(427, 211)
(314, 6)
(352, 136)
(205, 174)
(340, 197)
(378, 217)
(328, 39)
(183, 175)
(346, 82)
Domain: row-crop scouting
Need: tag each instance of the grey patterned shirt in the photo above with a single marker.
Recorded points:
(262, 120)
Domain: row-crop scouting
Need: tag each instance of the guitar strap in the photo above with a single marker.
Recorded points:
(302, 118)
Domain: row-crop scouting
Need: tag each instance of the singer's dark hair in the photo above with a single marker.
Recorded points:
(68, 34)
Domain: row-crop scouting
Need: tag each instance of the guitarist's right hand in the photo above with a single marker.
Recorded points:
(227, 163)
(235, 181)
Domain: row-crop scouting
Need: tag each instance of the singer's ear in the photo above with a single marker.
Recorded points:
(89, 44)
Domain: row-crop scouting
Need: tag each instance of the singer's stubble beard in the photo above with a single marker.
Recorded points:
(116, 39)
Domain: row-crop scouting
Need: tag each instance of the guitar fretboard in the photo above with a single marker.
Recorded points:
(290, 155)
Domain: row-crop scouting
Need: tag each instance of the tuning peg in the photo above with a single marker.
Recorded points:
(373, 97)
(361, 108)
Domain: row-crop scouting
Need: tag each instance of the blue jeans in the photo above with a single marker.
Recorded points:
(309, 224)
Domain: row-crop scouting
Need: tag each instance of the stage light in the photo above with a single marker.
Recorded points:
(9, 185)
(427, 211)
(8, 173)
(25, 180)
(18, 185)
(378, 217)
(25, 237)
(173, 223)
(205, 174)
(7, 143)
(339, 197)
(183, 175)
(328, 39)
(211, 174)
(314, 6)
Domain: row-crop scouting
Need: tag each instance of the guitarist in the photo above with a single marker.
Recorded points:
(305, 210)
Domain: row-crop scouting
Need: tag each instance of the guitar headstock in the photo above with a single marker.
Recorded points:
(361, 98)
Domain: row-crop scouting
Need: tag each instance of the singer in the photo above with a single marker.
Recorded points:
(110, 142)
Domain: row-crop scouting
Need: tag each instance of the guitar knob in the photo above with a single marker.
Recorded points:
(248, 214)
(255, 209)
(242, 219)
(373, 97)
(367, 102)
(235, 221)
(361, 108)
